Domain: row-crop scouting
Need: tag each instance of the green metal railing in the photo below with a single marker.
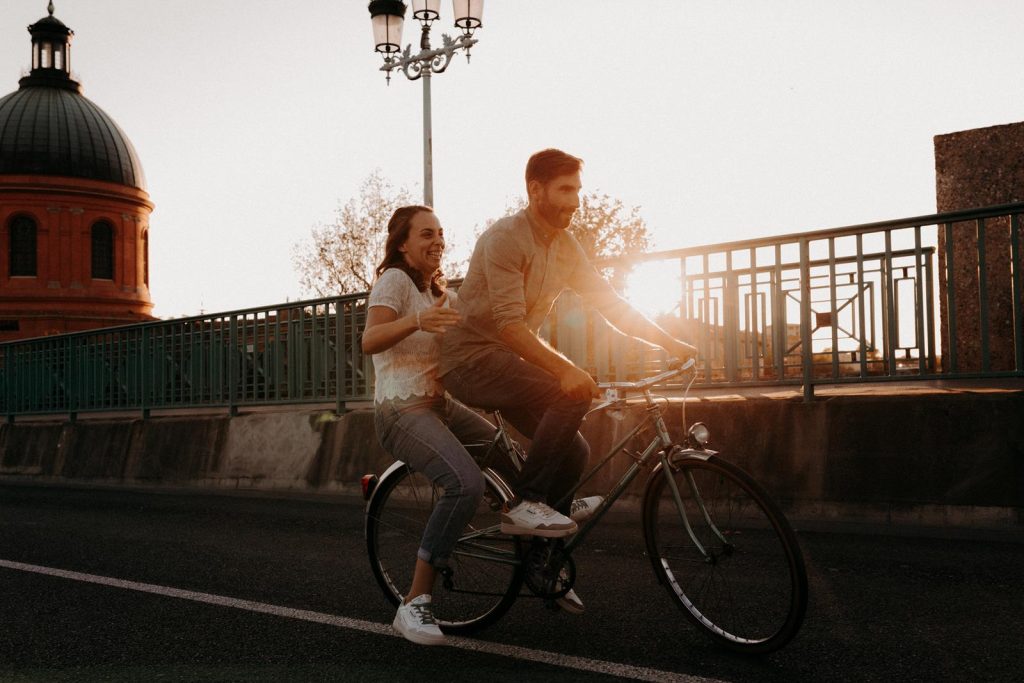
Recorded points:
(860, 303)
(306, 352)
(855, 304)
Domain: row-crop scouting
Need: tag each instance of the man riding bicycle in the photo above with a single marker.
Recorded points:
(494, 359)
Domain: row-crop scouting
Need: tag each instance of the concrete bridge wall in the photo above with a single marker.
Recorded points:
(946, 459)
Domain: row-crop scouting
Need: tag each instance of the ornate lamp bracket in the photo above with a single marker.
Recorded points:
(428, 61)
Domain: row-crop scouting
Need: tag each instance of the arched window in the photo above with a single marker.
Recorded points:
(22, 247)
(145, 257)
(102, 251)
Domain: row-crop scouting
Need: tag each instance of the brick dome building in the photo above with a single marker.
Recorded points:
(74, 211)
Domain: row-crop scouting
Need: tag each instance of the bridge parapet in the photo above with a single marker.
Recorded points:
(943, 458)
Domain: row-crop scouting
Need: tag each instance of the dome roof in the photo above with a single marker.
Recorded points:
(47, 127)
(57, 131)
(50, 23)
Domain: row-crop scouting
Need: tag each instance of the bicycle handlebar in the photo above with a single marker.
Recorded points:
(648, 382)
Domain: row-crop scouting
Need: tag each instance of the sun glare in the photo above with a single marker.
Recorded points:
(653, 290)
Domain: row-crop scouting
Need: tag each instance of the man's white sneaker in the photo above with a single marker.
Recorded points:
(571, 603)
(532, 518)
(415, 621)
(582, 508)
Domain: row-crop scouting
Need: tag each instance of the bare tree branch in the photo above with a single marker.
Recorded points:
(340, 257)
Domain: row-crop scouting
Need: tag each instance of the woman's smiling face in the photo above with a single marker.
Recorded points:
(424, 246)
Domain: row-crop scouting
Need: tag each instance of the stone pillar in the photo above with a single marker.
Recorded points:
(978, 168)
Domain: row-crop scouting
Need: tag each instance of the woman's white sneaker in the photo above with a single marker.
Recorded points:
(532, 518)
(415, 621)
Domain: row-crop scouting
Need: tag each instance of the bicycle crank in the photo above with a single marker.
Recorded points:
(549, 572)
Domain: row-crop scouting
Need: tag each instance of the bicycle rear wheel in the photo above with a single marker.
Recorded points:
(747, 589)
(485, 571)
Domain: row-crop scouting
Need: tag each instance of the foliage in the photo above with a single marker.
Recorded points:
(340, 257)
(604, 228)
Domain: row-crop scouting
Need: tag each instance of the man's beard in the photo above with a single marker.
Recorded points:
(559, 218)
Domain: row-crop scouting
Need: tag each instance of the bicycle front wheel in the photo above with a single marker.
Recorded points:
(484, 573)
(728, 558)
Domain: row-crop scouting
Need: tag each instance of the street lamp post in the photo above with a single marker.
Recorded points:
(388, 17)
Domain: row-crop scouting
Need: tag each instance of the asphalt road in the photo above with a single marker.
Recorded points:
(125, 585)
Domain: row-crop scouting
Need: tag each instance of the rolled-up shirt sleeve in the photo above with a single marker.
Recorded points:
(504, 267)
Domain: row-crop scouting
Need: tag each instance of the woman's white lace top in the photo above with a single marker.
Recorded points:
(409, 368)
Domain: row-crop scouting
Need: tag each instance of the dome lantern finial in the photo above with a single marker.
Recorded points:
(51, 54)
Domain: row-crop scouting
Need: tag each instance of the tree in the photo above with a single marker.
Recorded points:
(340, 257)
(603, 227)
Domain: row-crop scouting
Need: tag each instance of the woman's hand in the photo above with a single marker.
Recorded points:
(439, 317)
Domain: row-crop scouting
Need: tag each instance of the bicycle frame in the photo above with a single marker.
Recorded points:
(661, 443)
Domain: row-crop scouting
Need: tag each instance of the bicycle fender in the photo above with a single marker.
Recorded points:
(389, 472)
(498, 481)
(678, 453)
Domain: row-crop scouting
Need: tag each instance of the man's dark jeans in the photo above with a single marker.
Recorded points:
(533, 402)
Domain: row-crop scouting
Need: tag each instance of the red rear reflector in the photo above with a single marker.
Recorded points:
(369, 483)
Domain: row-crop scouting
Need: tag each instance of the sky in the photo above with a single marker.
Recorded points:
(255, 120)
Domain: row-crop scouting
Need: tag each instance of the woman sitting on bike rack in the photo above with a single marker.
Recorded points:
(415, 420)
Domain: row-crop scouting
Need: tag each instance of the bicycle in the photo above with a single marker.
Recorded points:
(718, 543)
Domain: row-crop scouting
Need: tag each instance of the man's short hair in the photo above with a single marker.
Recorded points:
(548, 164)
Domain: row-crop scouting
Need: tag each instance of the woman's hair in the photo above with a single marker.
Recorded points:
(398, 233)
(548, 164)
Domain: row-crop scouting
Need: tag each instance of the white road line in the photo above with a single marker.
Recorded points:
(542, 656)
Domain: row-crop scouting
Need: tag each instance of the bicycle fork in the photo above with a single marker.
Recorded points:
(666, 463)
